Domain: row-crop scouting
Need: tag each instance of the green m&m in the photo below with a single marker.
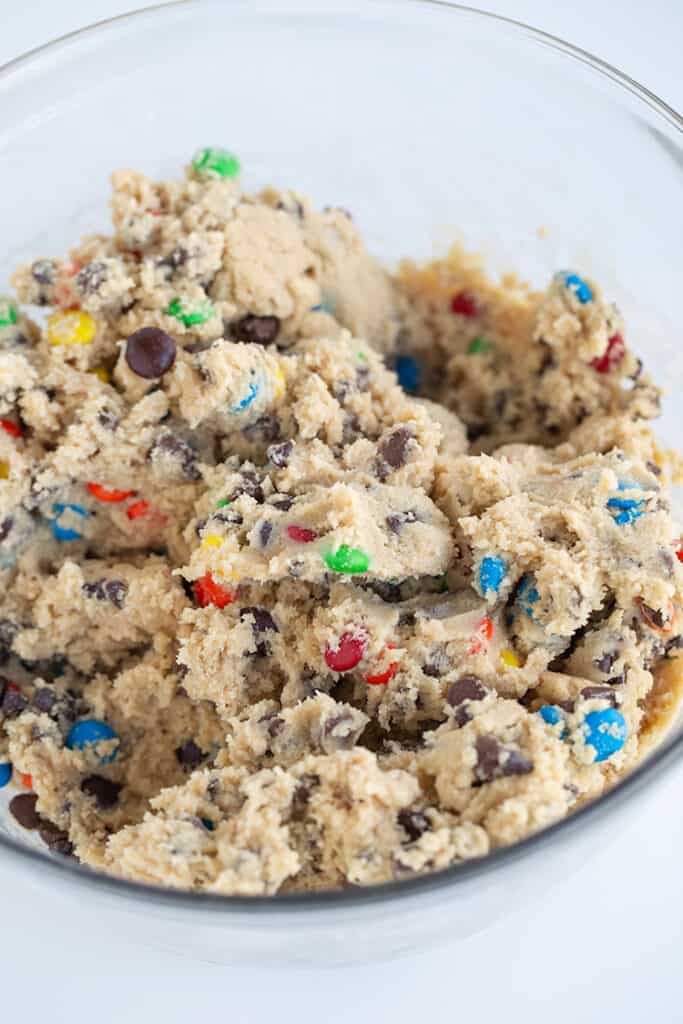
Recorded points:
(346, 559)
(217, 163)
(479, 346)
(8, 313)
(188, 316)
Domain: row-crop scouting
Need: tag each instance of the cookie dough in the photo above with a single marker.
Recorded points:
(312, 575)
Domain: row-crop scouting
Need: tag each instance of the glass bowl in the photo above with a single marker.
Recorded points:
(432, 123)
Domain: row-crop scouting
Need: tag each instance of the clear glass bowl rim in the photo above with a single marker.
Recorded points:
(656, 764)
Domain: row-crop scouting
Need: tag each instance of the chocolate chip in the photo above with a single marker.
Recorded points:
(494, 760)
(605, 661)
(279, 454)
(398, 520)
(653, 467)
(262, 622)
(302, 794)
(667, 560)
(250, 484)
(390, 593)
(189, 754)
(150, 352)
(5, 527)
(475, 431)
(226, 515)
(265, 428)
(107, 419)
(395, 448)
(178, 257)
(341, 389)
(362, 378)
(273, 723)
(116, 591)
(105, 792)
(91, 277)
(653, 617)
(55, 838)
(464, 689)
(44, 699)
(600, 693)
(262, 619)
(340, 732)
(170, 446)
(257, 330)
(43, 271)
(8, 631)
(283, 504)
(548, 362)
(13, 703)
(674, 644)
(265, 530)
(23, 809)
(415, 823)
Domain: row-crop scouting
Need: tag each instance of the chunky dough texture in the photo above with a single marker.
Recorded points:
(322, 615)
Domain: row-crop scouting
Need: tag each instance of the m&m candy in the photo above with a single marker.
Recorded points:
(626, 510)
(551, 714)
(612, 356)
(113, 495)
(301, 534)
(247, 399)
(492, 572)
(71, 327)
(409, 374)
(87, 733)
(527, 596)
(217, 163)
(188, 316)
(66, 532)
(5, 774)
(479, 346)
(382, 678)
(576, 285)
(347, 560)
(347, 654)
(207, 591)
(8, 313)
(464, 304)
(606, 731)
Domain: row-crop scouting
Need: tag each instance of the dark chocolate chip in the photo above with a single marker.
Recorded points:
(265, 429)
(362, 378)
(44, 699)
(283, 503)
(273, 723)
(605, 661)
(116, 591)
(467, 687)
(23, 809)
(262, 620)
(415, 823)
(177, 257)
(55, 838)
(302, 795)
(91, 277)
(43, 271)
(174, 447)
(5, 527)
(8, 631)
(189, 754)
(13, 703)
(674, 644)
(390, 593)
(150, 352)
(494, 760)
(340, 732)
(653, 617)
(265, 531)
(107, 419)
(395, 448)
(475, 431)
(601, 693)
(250, 485)
(653, 467)
(257, 330)
(397, 520)
(341, 389)
(279, 453)
(104, 791)
(228, 516)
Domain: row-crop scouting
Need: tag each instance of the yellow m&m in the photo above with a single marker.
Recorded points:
(71, 327)
(4, 470)
(509, 658)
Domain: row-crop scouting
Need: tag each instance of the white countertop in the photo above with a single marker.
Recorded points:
(604, 947)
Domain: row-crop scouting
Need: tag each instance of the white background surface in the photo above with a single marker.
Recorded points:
(605, 947)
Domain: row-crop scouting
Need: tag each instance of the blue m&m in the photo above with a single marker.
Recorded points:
(64, 532)
(527, 596)
(606, 731)
(492, 572)
(247, 399)
(5, 774)
(626, 510)
(551, 714)
(87, 733)
(577, 285)
(326, 305)
(409, 374)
